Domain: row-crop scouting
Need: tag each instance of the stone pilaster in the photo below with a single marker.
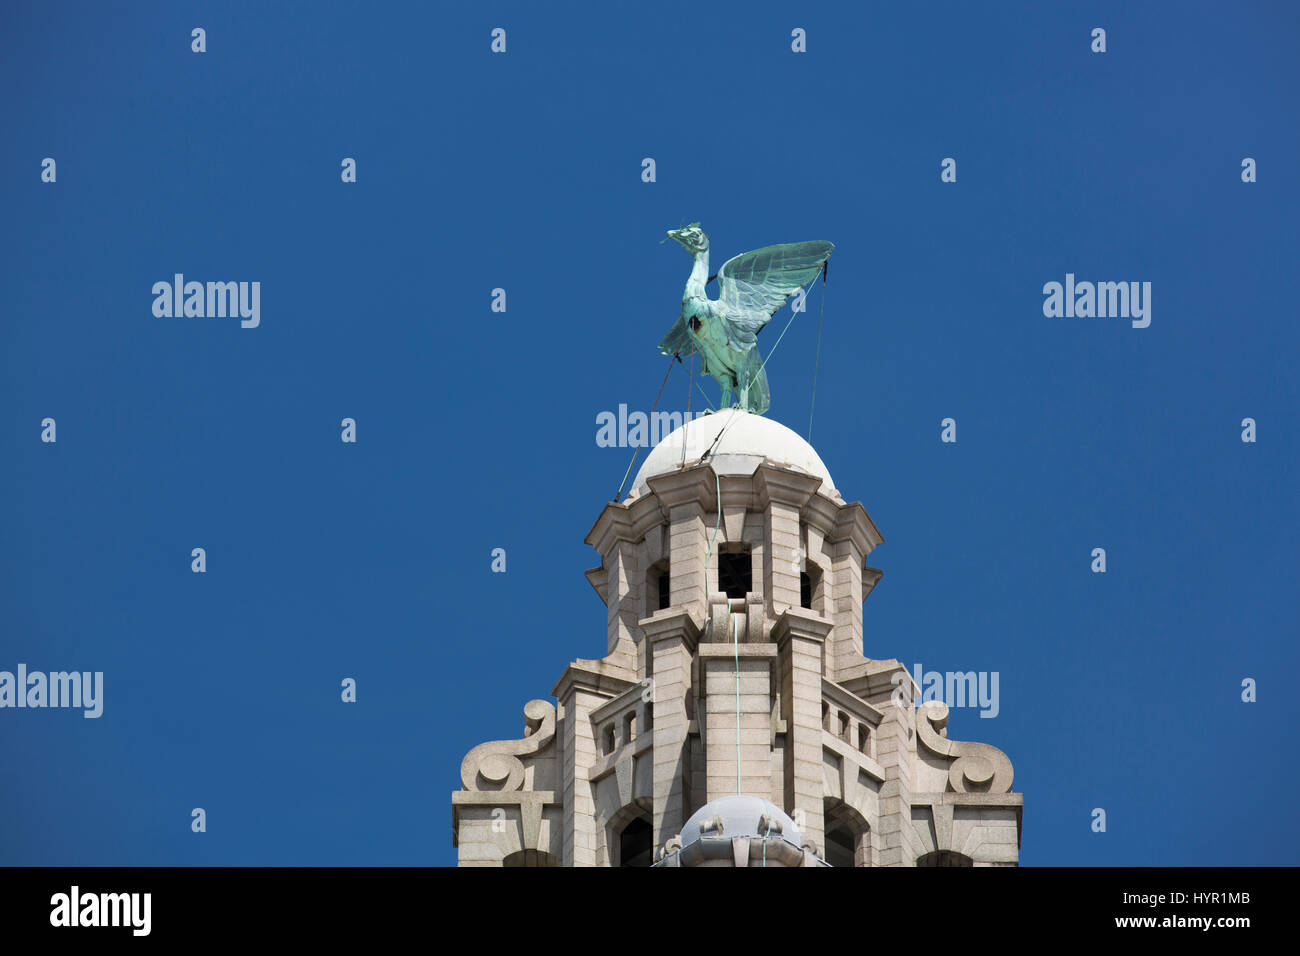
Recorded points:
(672, 636)
(782, 494)
(800, 639)
(852, 538)
(620, 581)
(737, 720)
(846, 607)
(583, 687)
(893, 835)
(683, 496)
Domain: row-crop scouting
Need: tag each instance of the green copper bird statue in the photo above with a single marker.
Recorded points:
(724, 331)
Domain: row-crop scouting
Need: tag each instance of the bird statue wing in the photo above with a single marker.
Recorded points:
(678, 341)
(755, 284)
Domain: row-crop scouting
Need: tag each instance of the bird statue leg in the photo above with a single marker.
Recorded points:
(751, 381)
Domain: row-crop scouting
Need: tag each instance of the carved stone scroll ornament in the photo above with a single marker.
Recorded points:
(497, 764)
(976, 768)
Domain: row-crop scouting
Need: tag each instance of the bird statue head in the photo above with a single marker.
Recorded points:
(692, 238)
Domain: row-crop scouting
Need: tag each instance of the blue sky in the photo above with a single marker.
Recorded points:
(476, 429)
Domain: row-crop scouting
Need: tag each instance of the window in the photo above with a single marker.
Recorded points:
(629, 728)
(810, 586)
(657, 588)
(607, 739)
(735, 573)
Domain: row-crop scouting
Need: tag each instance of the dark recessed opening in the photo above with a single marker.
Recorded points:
(634, 844)
(658, 589)
(735, 573)
(944, 858)
(839, 846)
(810, 587)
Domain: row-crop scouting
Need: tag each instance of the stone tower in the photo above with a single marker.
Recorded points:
(734, 720)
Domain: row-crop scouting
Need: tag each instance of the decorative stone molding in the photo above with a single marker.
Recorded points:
(982, 827)
(497, 762)
(976, 768)
(606, 678)
(773, 483)
(696, 485)
(529, 804)
(613, 525)
(853, 524)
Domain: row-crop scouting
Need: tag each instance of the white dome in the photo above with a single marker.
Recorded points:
(740, 830)
(747, 441)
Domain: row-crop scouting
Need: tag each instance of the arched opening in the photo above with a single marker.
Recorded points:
(530, 858)
(848, 835)
(635, 843)
(944, 858)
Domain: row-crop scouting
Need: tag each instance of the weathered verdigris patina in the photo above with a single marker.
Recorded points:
(724, 331)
